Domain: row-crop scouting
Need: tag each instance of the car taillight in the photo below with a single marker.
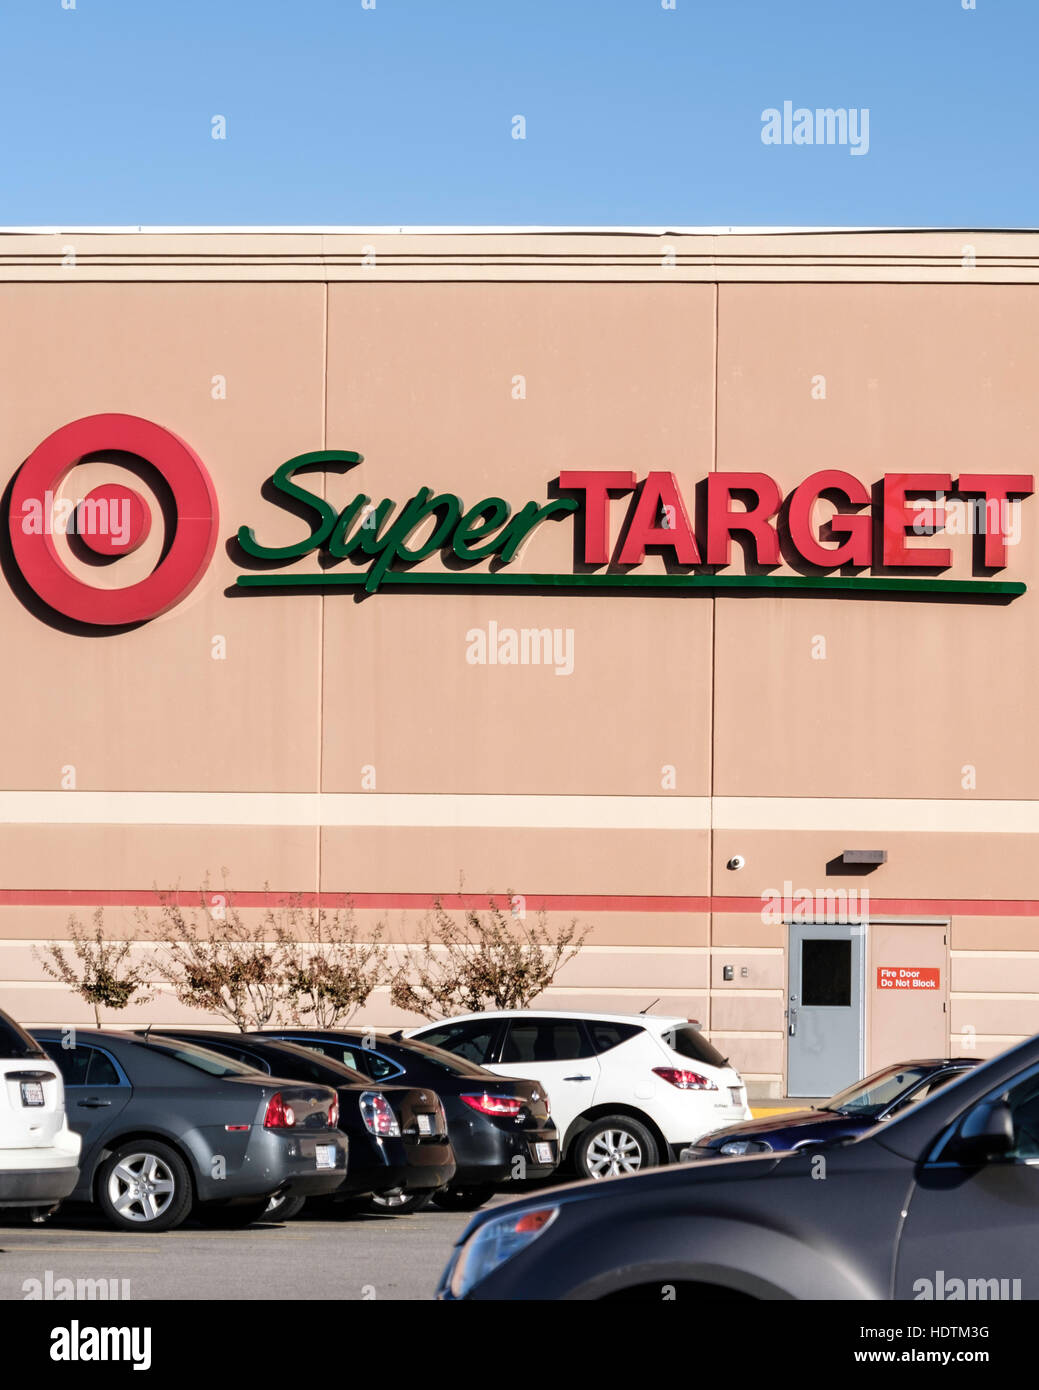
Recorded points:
(378, 1115)
(494, 1105)
(685, 1080)
(279, 1115)
(333, 1114)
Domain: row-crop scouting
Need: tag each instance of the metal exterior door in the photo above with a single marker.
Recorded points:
(825, 1007)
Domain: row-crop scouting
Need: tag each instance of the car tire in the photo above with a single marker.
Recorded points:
(463, 1198)
(398, 1203)
(612, 1146)
(145, 1186)
(282, 1207)
(232, 1216)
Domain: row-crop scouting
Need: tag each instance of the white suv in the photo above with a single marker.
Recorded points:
(39, 1154)
(626, 1090)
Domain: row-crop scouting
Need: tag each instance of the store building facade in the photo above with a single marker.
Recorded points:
(438, 570)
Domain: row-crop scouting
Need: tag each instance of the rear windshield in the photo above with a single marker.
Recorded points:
(15, 1041)
(200, 1058)
(690, 1042)
(298, 1063)
(436, 1056)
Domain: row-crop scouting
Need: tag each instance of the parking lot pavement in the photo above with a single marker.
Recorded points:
(359, 1257)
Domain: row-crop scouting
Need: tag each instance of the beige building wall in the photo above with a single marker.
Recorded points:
(783, 728)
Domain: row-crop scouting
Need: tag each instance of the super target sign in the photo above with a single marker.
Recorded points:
(831, 528)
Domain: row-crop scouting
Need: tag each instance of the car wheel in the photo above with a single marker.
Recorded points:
(232, 1216)
(145, 1186)
(282, 1207)
(463, 1198)
(398, 1203)
(612, 1146)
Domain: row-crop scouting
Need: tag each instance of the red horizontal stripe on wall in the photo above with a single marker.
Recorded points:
(565, 902)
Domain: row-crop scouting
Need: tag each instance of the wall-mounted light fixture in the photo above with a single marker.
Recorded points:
(864, 856)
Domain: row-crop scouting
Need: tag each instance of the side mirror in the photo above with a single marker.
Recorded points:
(987, 1132)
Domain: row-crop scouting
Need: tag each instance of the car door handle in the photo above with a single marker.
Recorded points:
(93, 1103)
(577, 1078)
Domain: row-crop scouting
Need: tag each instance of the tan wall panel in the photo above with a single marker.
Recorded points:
(941, 866)
(151, 708)
(931, 379)
(738, 1010)
(984, 974)
(896, 708)
(920, 375)
(732, 930)
(755, 1055)
(635, 968)
(145, 857)
(994, 933)
(763, 971)
(433, 722)
(1001, 1015)
(529, 862)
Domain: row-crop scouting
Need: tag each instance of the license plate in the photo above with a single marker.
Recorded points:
(32, 1093)
(736, 1095)
(425, 1124)
(326, 1155)
(544, 1153)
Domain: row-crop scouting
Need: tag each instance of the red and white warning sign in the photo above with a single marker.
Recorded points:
(908, 977)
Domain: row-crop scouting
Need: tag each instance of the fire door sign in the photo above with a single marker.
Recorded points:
(908, 977)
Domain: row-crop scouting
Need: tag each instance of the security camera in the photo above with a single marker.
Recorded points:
(736, 862)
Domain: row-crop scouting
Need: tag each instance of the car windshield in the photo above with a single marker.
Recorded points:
(876, 1092)
(200, 1058)
(15, 1041)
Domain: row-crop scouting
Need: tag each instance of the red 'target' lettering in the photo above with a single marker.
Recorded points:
(596, 487)
(858, 548)
(996, 487)
(898, 514)
(660, 491)
(722, 521)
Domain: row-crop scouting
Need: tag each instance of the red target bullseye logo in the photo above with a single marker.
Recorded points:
(187, 556)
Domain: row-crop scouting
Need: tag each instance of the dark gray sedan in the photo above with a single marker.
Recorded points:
(939, 1203)
(170, 1127)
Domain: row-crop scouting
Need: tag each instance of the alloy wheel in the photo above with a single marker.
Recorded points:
(141, 1187)
(612, 1152)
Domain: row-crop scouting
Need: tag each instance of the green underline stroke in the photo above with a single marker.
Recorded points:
(501, 580)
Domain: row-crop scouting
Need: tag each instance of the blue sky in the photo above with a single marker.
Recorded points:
(402, 114)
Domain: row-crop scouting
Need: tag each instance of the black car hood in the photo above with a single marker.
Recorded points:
(775, 1124)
